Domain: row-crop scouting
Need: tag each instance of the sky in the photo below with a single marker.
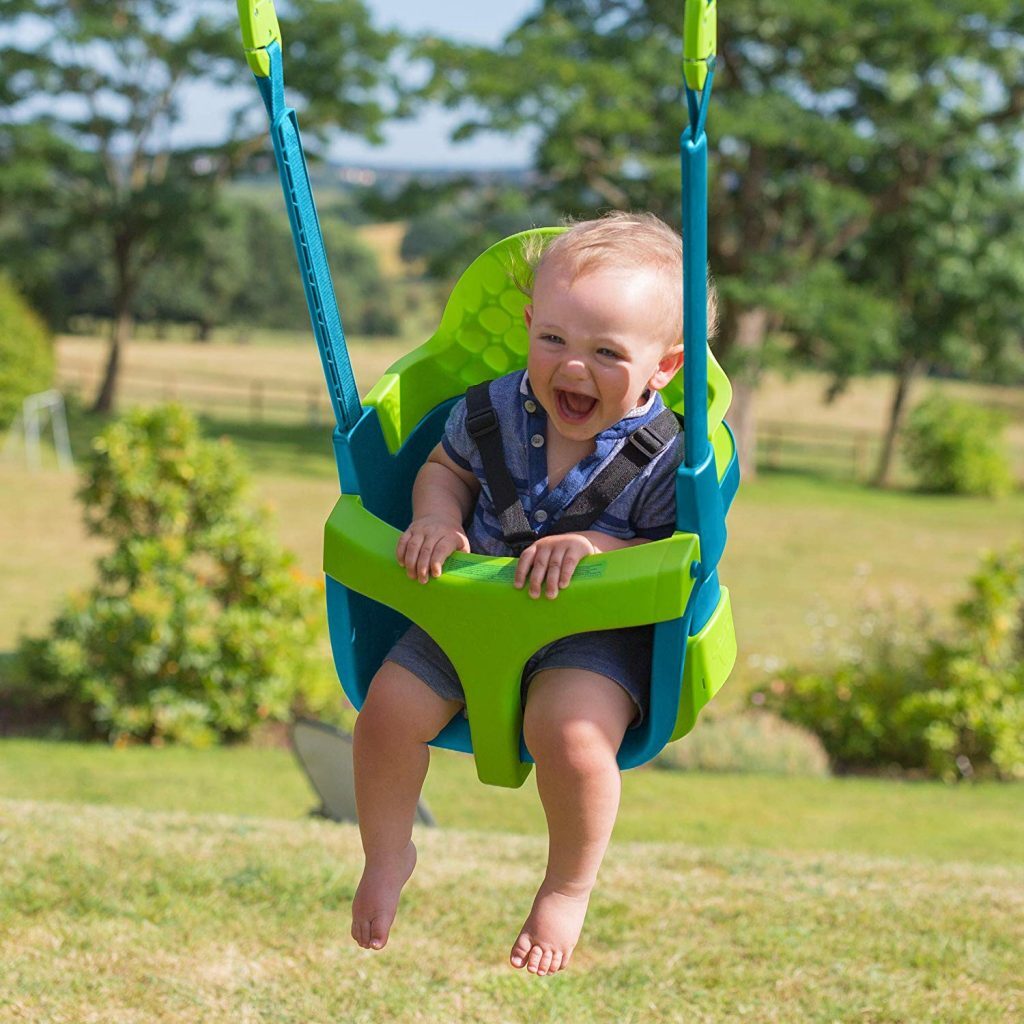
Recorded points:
(423, 142)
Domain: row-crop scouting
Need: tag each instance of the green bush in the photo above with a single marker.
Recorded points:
(754, 742)
(957, 448)
(199, 627)
(910, 698)
(26, 354)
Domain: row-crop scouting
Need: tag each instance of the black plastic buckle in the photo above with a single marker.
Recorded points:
(647, 441)
(484, 421)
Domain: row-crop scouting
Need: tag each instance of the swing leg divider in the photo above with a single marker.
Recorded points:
(486, 627)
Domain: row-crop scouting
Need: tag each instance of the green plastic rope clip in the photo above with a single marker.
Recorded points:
(259, 29)
(700, 40)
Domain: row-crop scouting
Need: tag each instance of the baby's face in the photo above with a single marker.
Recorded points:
(597, 343)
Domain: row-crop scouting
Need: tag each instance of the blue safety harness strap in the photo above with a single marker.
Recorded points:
(309, 245)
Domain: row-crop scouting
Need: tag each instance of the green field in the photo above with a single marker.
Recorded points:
(109, 914)
(171, 885)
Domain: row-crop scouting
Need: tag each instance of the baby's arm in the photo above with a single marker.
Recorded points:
(442, 498)
(555, 558)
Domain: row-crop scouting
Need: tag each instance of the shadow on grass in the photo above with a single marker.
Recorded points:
(298, 449)
(22, 713)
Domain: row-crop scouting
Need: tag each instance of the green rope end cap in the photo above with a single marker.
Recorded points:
(700, 40)
(260, 28)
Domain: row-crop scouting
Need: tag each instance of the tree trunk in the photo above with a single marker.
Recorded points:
(123, 322)
(120, 333)
(897, 409)
(746, 348)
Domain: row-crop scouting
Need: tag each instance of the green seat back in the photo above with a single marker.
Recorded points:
(482, 335)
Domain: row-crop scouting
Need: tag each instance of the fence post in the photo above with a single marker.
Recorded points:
(256, 400)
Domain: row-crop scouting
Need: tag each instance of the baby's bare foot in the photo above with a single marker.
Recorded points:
(551, 931)
(376, 900)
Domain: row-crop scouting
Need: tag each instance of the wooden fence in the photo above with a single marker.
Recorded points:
(256, 399)
(845, 453)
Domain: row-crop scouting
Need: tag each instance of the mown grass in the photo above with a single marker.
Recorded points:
(113, 915)
(982, 824)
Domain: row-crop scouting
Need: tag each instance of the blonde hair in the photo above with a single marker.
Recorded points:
(636, 241)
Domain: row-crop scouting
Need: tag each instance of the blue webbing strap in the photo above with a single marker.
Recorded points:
(693, 147)
(309, 246)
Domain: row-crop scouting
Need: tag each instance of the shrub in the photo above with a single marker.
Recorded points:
(198, 627)
(26, 354)
(753, 742)
(913, 699)
(957, 448)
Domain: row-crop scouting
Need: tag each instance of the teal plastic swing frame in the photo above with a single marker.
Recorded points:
(380, 444)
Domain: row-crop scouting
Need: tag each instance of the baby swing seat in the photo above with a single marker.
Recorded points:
(486, 627)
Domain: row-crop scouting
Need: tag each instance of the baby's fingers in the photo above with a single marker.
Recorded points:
(523, 567)
(442, 549)
(540, 569)
(427, 557)
(569, 563)
(411, 554)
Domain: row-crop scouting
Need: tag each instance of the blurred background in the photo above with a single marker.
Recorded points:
(866, 196)
(160, 572)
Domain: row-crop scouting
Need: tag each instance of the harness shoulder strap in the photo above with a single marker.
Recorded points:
(482, 425)
(643, 446)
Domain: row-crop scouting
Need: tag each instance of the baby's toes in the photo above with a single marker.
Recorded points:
(520, 951)
(544, 967)
(534, 959)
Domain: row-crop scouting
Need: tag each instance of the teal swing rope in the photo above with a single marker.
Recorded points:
(309, 246)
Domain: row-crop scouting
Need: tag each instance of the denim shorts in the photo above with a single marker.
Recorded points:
(622, 655)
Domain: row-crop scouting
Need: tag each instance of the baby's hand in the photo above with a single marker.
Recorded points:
(423, 548)
(553, 559)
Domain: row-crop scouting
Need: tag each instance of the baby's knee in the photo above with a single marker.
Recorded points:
(569, 741)
(399, 707)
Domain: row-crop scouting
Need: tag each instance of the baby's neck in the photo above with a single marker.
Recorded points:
(564, 453)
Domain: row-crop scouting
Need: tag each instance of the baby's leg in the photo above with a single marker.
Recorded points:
(400, 714)
(573, 724)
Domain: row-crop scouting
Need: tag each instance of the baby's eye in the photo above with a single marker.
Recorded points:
(609, 353)
(553, 338)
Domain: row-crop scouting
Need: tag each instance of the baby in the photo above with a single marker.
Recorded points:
(605, 329)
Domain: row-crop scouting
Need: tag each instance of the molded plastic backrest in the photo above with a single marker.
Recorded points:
(482, 335)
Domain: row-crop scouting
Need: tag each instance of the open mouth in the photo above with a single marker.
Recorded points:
(574, 407)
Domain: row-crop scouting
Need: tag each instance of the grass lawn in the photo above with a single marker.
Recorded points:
(109, 914)
(981, 824)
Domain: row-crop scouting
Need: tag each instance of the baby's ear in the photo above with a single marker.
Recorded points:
(528, 315)
(668, 366)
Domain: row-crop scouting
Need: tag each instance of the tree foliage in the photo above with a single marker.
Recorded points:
(94, 93)
(198, 627)
(26, 354)
(957, 447)
(910, 696)
(246, 274)
(828, 124)
(453, 232)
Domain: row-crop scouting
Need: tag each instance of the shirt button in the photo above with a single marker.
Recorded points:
(537, 440)
(540, 515)
(530, 405)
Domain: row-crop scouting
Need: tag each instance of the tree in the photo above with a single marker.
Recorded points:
(198, 626)
(93, 91)
(827, 120)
